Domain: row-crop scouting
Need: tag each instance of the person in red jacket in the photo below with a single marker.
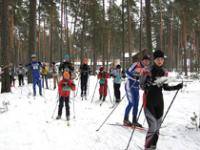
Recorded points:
(103, 76)
(64, 87)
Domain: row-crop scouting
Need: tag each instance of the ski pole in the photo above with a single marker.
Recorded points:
(94, 91)
(55, 107)
(77, 87)
(169, 106)
(74, 110)
(133, 129)
(110, 95)
(110, 114)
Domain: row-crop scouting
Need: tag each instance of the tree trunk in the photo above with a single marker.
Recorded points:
(6, 40)
(148, 25)
(184, 38)
(129, 31)
(123, 41)
(161, 27)
(38, 36)
(140, 46)
(61, 32)
(103, 34)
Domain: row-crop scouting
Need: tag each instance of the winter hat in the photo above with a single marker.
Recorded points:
(66, 75)
(157, 54)
(33, 56)
(118, 67)
(146, 57)
(66, 57)
(101, 68)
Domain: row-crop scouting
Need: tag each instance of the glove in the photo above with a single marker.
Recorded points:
(179, 86)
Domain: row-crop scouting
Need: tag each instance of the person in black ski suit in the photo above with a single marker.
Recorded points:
(66, 65)
(153, 98)
(20, 73)
(84, 75)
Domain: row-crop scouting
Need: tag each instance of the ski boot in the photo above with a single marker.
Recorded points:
(135, 123)
(126, 122)
(58, 117)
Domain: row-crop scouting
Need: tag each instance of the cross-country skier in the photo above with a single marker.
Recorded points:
(21, 72)
(44, 73)
(54, 74)
(132, 90)
(84, 75)
(103, 81)
(35, 68)
(64, 88)
(116, 73)
(153, 99)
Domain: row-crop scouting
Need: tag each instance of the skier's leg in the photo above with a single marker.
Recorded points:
(40, 86)
(101, 87)
(85, 85)
(34, 86)
(105, 88)
(82, 85)
(60, 106)
(129, 96)
(67, 107)
(152, 134)
(46, 81)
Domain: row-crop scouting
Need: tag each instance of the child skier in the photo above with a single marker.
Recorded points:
(116, 73)
(153, 99)
(103, 76)
(64, 88)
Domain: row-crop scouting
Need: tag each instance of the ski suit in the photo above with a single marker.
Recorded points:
(64, 88)
(103, 76)
(21, 73)
(35, 68)
(132, 90)
(116, 73)
(84, 72)
(44, 73)
(153, 104)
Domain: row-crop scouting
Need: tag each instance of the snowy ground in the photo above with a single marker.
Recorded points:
(27, 125)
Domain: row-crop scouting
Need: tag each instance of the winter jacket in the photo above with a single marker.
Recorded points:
(65, 86)
(117, 75)
(44, 70)
(84, 70)
(134, 71)
(35, 67)
(153, 93)
(103, 76)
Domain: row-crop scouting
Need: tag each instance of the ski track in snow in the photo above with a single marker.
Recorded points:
(27, 125)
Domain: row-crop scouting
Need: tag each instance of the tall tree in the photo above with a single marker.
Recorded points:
(32, 32)
(148, 24)
(6, 40)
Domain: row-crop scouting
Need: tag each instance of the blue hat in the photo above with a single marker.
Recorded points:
(66, 57)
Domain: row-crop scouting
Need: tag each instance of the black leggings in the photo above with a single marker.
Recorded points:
(63, 100)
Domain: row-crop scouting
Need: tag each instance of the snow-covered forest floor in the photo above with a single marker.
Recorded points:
(28, 123)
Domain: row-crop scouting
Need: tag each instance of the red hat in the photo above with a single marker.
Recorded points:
(101, 68)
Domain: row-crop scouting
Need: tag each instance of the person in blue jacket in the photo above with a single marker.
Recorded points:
(132, 90)
(35, 68)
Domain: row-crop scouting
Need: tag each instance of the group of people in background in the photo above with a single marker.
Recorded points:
(140, 74)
